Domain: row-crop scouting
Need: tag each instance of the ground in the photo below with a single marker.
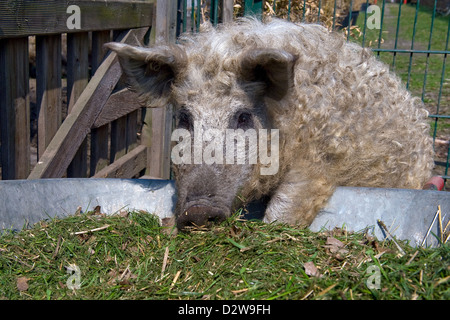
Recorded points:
(129, 256)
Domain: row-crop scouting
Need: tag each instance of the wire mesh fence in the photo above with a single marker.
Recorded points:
(410, 36)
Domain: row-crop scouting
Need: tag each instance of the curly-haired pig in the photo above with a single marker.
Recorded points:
(281, 111)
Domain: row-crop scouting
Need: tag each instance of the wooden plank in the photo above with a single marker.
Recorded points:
(159, 162)
(146, 134)
(77, 66)
(39, 17)
(227, 10)
(99, 149)
(127, 166)
(166, 20)
(132, 128)
(14, 108)
(99, 136)
(48, 88)
(75, 127)
(118, 105)
(77, 80)
(99, 38)
(118, 138)
(123, 135)
(159, 153)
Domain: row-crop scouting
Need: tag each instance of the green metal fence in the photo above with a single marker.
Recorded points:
(412, 37)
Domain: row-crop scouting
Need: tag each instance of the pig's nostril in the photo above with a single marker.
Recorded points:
(199, 216)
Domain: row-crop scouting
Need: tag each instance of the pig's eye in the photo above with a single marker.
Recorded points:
(184, 120)
(244, 121)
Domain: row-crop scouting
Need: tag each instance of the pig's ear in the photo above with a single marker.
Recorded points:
(150, 71)
(270, 67)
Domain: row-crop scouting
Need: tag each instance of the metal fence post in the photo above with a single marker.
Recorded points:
(253, 7)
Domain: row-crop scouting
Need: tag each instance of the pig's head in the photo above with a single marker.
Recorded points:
(214, 97)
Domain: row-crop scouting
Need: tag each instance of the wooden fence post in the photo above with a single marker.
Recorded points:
(77, 80)
(14, 108)
(161, 118)
(48, 88)
(227, 10)
(99, 136)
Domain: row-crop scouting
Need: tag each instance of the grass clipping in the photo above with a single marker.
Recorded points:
(130, 256)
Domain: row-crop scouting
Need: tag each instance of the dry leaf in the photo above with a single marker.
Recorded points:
(336, 247)
(169, 226)
(78, 212)
(334, 242)
(22, 283)
(121, 277)
(311, 270)
(124, 213)
(239, 291)
(113, 277)
(168, 222)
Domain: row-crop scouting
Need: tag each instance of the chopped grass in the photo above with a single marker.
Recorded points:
(131, 257)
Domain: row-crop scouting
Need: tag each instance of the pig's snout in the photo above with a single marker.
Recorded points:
(200, 216)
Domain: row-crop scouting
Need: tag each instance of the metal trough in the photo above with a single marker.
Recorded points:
(407, 213)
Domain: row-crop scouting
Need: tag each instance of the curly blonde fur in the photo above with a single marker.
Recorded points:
(344, 119)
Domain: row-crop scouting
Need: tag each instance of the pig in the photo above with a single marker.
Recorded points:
(331, 112)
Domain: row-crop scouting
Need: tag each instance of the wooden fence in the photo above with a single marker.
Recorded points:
(105, 121)
(95, 132)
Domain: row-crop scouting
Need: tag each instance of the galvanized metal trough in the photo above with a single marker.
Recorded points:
(408, 214)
